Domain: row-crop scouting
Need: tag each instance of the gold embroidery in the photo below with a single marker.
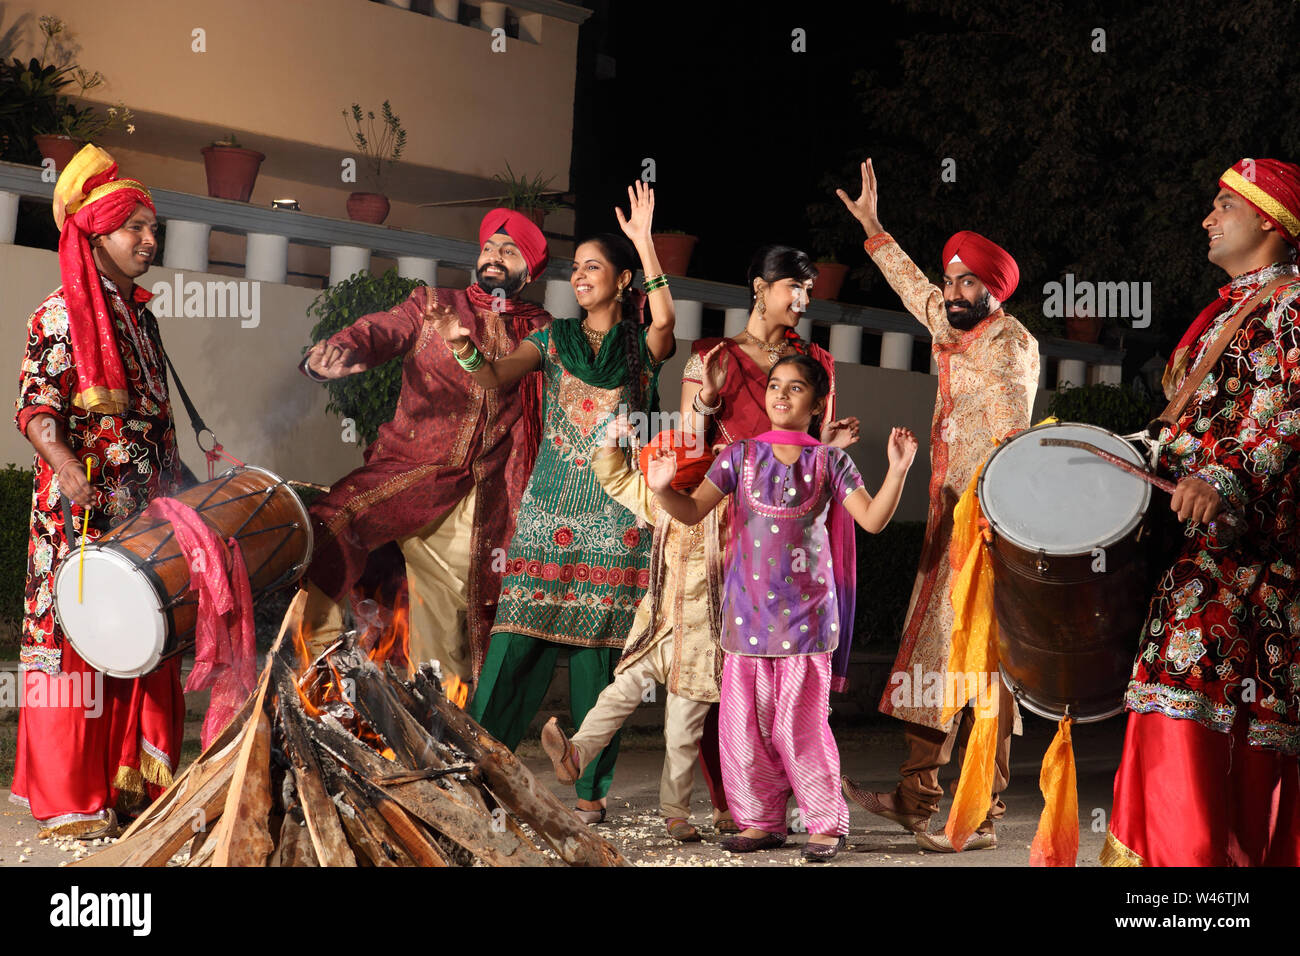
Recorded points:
(1114, 853)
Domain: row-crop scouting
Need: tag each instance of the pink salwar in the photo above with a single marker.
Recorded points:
(776, 739)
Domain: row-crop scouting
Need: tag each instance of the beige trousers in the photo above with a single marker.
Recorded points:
(437, 575)
(683, 725)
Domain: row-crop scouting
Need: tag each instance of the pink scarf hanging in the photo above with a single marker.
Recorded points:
(843, 543)
(225, 652)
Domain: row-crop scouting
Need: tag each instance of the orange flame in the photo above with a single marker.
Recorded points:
(457, 690)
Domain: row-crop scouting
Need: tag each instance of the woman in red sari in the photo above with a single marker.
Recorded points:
(723, 388)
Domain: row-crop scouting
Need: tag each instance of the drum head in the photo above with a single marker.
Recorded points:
(1062, 500)
(119, 626)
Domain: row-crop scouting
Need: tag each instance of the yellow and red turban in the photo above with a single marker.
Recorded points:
(1273, 188)
(529, 239)
(90, 200)
(990, 263)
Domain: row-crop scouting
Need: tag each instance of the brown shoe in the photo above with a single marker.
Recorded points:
(682, 831)
(723, 823)
(882, 804)
(939, 842)
(564, 756)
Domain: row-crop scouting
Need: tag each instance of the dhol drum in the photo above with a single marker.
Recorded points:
(136, 606)
(1070, 569)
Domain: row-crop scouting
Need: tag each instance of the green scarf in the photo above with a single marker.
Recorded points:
(608, 367)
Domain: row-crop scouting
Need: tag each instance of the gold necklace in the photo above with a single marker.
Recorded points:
(773, 351)
(595, 337)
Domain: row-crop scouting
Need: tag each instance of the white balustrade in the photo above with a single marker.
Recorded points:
(1072, 372)
(8, 216)
(560, 300)
(266, 258)
(418, 267)
(896, 350)
(447, 9)
(186, 245)
(733, 321)
(690, 319)
(493, 14)
(347, 261)
(846, 343)
(1108, 374)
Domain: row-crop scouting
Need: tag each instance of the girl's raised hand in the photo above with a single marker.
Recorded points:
(661, 470)
(841, 433)
(618, 431)
(636, 225)
(901, 448)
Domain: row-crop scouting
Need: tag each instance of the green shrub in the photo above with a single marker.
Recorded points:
(368, 398)
(15, 526)
(887, 564)
(1116, 408)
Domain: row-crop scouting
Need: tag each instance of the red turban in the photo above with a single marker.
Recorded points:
(1273, 188)
(990, 263)
(529, 239)
(90, 200)
(693, 461)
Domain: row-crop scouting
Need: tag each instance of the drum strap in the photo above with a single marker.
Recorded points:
(1169, 417)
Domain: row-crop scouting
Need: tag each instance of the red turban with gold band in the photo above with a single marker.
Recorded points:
(90, 200)
(529, 239)
(1273, 188)
(990, 263)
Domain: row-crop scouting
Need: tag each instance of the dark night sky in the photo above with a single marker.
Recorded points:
(741, 128)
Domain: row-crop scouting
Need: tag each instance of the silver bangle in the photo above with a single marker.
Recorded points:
(703, 409)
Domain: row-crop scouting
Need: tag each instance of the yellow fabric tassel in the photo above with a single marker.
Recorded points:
(154, 770)
(1115, 853)
(1057, 841)
(974, 653)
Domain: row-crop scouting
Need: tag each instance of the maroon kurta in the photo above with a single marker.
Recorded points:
(448, 435)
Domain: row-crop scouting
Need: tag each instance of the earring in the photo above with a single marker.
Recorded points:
(760, 302)
(619, 295)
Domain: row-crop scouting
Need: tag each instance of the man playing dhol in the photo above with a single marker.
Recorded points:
(450, 445)
(1208, 775)
(988, 374)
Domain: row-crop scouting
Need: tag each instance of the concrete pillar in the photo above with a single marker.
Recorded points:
(8, 216)
(846, 343)
(1108, 374)
(347, 261)
(418, 267)
(690, 319)
(266, 258)
(934, 364)
(896, 350)
(804, 328)
(1072, 372)
(560, 300)
(492, 13)
(447, 9)
(1043, 362)
(186, 245)
(734, 321)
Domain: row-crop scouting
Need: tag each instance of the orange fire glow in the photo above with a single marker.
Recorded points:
(457, 690)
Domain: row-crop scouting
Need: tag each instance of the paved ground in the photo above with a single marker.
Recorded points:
(870, 752)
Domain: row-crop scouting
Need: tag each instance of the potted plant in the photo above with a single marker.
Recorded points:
(381, 141)
(231, 169)
(830, 277)
(673, 248)
(528, 196)
(1082, 327)
(1117, 408)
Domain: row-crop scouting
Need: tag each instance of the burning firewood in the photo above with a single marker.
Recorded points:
(355, 759)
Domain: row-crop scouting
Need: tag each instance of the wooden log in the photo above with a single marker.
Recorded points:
(422, 849)
(516, 787)
(319, 813)
(294, 847)
(480, 834)
(353, 794)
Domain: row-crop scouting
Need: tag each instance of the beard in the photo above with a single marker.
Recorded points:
(973, 313)
(510, 284)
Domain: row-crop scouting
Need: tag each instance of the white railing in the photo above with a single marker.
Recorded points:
(190, 221)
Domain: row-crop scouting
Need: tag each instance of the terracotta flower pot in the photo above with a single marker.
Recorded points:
(59, 148)
(830, 279)
(232, 171)
(368, 207)
(1082, 328)
(674, 251)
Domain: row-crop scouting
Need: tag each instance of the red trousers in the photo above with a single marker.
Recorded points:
(1189, 796)
(88, 743)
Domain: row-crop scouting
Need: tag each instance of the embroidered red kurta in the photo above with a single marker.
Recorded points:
(447, 436)
(988, 376)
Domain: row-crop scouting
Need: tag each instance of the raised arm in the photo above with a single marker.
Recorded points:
(873, 514)
(621, 481)
(369, 341)
(688, 509)
(920, 296)
(636, 226)
(712, 378)
(504, 371)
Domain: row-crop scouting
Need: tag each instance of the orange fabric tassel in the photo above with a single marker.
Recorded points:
(1057, 841)
(974, 654)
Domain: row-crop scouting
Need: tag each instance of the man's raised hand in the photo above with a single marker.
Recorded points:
(863, 209)
(332, 361)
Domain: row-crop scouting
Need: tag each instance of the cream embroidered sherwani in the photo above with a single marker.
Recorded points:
(987, 380)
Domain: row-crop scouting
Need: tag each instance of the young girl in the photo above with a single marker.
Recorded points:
(785, 610)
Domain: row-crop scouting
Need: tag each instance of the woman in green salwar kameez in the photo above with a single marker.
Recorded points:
(578, 564)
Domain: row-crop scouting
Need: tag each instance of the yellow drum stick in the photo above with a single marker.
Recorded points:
(85, 523)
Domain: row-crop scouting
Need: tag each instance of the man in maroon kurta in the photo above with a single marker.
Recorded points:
(451, 447)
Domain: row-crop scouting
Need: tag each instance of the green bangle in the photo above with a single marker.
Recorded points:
(473, 362)
(655, 282)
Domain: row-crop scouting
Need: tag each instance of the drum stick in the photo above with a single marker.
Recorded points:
(85, 522)
(310, 486)
(1233, 524)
